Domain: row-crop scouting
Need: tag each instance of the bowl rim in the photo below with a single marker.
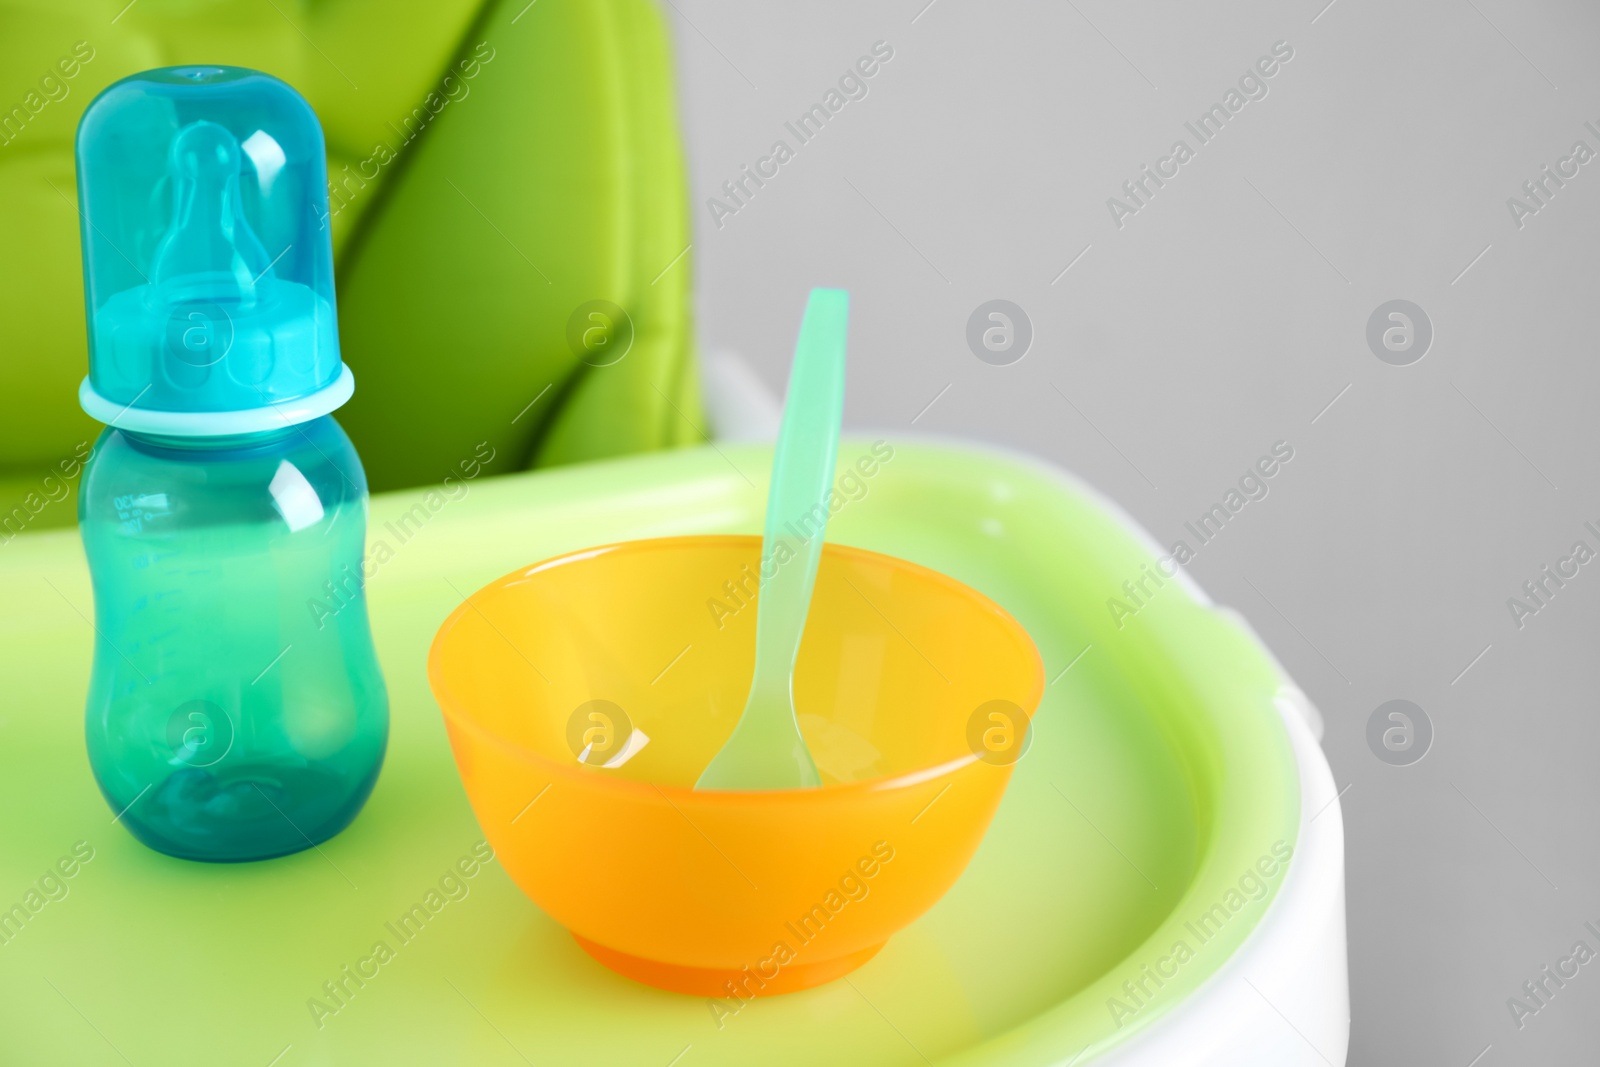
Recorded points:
(450, 707)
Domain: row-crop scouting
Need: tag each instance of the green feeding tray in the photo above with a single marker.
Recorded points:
(1163, 883)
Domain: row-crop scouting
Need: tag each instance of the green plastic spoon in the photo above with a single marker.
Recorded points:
(766, 750)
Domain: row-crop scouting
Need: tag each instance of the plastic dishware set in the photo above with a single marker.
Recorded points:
(746, 822)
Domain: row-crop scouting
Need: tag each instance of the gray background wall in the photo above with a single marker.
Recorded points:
(1224, 316)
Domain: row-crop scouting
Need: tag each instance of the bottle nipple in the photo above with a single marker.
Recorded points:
(208, 266)
(209, 252)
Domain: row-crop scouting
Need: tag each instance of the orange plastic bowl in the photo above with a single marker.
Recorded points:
(905, 678)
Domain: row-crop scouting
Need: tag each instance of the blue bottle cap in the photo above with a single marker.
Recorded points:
(207, 263)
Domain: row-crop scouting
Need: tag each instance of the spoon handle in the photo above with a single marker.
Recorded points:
(802, 477)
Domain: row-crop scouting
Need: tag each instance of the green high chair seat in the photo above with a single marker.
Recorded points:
(498, 171)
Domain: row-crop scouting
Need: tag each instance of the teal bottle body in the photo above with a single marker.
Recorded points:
(236, 710)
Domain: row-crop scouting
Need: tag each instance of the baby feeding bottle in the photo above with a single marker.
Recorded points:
(236, 710)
